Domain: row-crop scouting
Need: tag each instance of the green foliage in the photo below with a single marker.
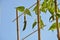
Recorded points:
(34, 24)
(53, 26)
(51, 10)
(35, 9)
(41, 24)
(20, 8)
(51, 7)
(27, 11)
(42, 9)
(44, 6)
(58, 15)
(51, 18)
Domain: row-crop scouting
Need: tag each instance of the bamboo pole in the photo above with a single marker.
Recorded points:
(57, 19)
(18, 33)
(38, 18)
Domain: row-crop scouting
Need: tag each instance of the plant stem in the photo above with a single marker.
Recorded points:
(18, 37)
(57, 19)
(38, 18)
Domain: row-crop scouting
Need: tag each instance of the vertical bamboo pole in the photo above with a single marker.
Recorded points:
(57, 19)
(38, 18)
(18, 34)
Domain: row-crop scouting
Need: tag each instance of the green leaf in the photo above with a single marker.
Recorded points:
(34, 24)
(53, 26)
(35, 9)
(42, 24)
(51, 7)
(51, 10)
(20, 8)
(58, 15)
(52, 18)
(44, 6)
(44, 10)
(27, 11)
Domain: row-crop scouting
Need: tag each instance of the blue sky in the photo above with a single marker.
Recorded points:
(8, 28)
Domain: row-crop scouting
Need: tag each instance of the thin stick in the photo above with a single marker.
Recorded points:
(30, 34)
(57, 19)
(32, 5)
(38, 18)
(17, 17)
(18, 33)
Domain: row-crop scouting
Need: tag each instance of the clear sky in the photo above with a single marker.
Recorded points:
(8, 28)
